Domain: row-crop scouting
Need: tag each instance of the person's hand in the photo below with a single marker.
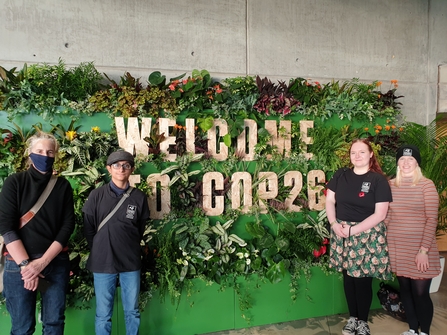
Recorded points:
(341, 229)
(31, 284)
(422, 262)
(32, 270)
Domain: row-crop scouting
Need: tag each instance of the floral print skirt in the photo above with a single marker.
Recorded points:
(362, 255)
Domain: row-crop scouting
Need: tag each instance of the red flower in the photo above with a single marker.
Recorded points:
(316, 253)
(322, 250)
(361, 194)
(325, 241)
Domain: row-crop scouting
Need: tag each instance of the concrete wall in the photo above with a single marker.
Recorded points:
(281, 39)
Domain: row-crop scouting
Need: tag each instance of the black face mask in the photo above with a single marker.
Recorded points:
(42, 163)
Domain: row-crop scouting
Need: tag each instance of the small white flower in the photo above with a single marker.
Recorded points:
(185, 262)
(248, 261)
(246, 255)
(240, 255)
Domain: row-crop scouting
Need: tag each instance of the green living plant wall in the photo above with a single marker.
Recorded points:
(234, 169)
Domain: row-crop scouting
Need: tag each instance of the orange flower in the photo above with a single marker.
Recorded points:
(379, 127)
(401, 129)
(394, 82)
(366, 129)
(378, 83)
(393, 127)
(377, 131)
(387, 128)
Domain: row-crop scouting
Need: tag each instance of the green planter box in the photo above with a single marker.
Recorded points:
(210, 309)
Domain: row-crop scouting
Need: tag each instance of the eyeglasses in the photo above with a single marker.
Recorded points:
(118, 166)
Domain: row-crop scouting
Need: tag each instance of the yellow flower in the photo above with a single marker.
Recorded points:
(96, 129)
(70, 135)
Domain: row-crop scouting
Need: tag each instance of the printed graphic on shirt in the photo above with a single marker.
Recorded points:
(366, 186)
(131, 209)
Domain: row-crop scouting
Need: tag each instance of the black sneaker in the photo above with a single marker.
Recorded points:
(351, 326)
(362, 328)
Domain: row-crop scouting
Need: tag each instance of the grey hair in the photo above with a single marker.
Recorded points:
(31, 141)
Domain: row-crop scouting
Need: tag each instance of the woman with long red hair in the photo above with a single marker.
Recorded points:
(356, 204)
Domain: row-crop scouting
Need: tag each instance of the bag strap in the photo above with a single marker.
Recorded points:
(118, 205)
(43, 197)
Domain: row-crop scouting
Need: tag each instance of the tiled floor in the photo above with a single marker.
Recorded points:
(380, 323)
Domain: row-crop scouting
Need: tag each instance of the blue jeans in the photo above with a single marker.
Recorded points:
(105, 287)
(21, 303)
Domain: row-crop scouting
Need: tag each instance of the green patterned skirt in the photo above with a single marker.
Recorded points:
(362, 255)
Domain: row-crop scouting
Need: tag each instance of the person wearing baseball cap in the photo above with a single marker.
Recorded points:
(411, 225)
(115, 217)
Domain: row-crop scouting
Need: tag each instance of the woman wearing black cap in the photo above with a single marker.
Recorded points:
(411, 222)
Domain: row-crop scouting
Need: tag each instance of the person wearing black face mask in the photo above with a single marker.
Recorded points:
(37, 257)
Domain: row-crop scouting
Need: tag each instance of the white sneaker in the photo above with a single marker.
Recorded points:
(409, 332)
(351, 326)
(362, 328)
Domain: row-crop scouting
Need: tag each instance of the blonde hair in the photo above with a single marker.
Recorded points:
(417, 176)
(32, 140)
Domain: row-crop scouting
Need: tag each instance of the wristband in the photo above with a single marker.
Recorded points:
(425, 252)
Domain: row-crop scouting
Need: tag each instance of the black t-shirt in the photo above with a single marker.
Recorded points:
(357, 195)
